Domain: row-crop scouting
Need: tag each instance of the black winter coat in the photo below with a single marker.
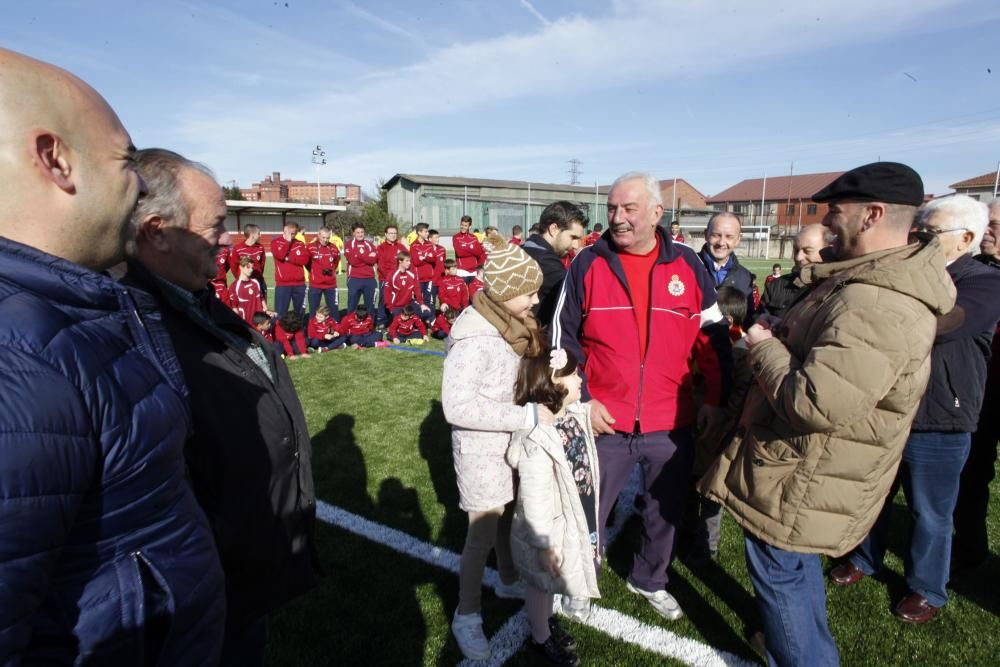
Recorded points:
(553, 274)
(249, 459)
(961, 352)
(738, 277)
(779, 294)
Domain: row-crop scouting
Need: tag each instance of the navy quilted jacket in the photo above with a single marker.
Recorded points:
(105, 557)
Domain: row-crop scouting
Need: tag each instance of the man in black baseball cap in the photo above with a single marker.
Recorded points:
(871, 207)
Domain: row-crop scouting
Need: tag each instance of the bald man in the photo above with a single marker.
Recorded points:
(105, 556)
(806, 249)
(718, 254)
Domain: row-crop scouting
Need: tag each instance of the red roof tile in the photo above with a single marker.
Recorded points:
(986, 180)
(779, 188)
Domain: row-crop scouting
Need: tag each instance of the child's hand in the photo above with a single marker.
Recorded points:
(550, 561)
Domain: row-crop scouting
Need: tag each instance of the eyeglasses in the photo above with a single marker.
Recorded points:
(938, 232)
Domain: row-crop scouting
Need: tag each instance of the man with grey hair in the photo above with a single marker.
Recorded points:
(249, 457)
(105, 556)
(970, 546)
(807, 247)
(940, 436)
(636, 308)
(722, 238)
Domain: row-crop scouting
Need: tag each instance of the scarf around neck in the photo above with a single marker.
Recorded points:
(523, 336)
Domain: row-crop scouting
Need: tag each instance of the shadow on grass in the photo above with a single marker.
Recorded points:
(981, 584)
(435, 448)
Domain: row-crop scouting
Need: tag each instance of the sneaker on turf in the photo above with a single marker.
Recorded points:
(662, 601)
(576, 608)
(514, 591)
(560, 635)
(554, 653)
(468, 631)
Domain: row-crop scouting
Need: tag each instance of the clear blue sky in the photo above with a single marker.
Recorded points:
(713, 92)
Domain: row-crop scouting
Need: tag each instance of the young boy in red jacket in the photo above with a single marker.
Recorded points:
(402, 289)
(388, 254)
(452, 290)
(443, 323)
(440, 254)
(359, 328)
(264, 323)
(245, 295)
(290, 258)
(221, 269)
(407, 326)
(469, 251)
(289, 337)
(323, 334)
(250, 247)
(422, 257)
(476, 284)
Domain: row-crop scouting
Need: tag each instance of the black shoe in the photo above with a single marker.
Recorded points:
(559, 634)
(555, 653)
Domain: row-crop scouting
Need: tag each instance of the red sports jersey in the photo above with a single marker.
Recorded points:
(440, 254)
(388, 254)
(361, 258)
(591, 238)
(255, 252)
(453, 292)
(474, 287)
(268, 335)
(290, 258)
(323, 263)
(286, 338)
(515, 241)
(401, 327)
(422, 257)
(320, 330)
(222, 264)
(441, 323)
(351, 325)
(246, 299)
(220, 291)
(401, 289)
(469, 251)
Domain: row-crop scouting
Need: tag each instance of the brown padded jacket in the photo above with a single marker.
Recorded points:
(834, 393)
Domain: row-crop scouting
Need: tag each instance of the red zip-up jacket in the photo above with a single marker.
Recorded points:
(401, 289)
(422, 258)
(594, 318)
(319, 330)
(255, 252)
(290, 259)
(591, 238)
(361, 258)
(246, 299)
(441, 323)
(469, 251)
(222, 264)
(474, 287)
(323, 259)
(388, 258)
(401, 327)
(351, 325)
(283, 337)
(453, 292)
(221, 292)
(516, 241)
(440, 254)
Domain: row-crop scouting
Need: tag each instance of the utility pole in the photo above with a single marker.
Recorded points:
(574, 171)
(318, 159)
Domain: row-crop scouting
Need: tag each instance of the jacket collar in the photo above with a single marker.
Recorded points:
(537, 240)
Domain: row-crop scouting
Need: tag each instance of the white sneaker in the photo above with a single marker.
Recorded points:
(514, 591)
(576, 608)
(662, 601)
(468, 631)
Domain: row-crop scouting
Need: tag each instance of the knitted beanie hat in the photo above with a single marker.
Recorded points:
(509, 271)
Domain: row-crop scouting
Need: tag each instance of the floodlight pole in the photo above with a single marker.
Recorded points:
(318, 159)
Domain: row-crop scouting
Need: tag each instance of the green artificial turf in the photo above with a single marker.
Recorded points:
(382, 449)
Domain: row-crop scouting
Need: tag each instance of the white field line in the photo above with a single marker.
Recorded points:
(512, 635)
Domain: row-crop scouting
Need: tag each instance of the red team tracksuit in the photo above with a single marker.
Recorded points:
(442, 327)
(290, 259)
(388, 256)
(474, 286)
(246, 298)
(453, 292)
(358, 332)
(423, 258)
(361, 259)
(255, 252)
(469, 252)
(402, 289)
(318, 331)
(222, 268)
(405, 330)
(323, 263)
(289, 344)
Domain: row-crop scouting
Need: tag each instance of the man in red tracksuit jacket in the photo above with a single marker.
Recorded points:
(402, 289)
(407, 326)
(452, 290)
(359, 328)
(440, 254)
(636, 309)
(469, 251)
(361, 259)
(245, 296)
(250, 247)
(324, 260)
(222, 269)
(422, 258)
(290, 258)
(388, 260)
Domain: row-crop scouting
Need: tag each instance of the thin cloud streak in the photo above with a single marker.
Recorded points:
(534, 12)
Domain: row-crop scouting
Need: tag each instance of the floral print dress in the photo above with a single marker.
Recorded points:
(575, 446)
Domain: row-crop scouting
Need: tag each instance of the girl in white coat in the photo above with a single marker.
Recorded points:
(554, 536)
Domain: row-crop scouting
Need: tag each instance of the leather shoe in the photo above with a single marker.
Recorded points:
(915, 608)
(846, 574)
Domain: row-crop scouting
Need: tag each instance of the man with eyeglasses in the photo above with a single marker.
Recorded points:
(940, 436)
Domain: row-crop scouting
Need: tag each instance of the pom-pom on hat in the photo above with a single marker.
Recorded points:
(509, 271)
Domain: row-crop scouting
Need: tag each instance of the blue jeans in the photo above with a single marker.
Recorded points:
(316, 294)
(358, 287)
(792, 604)
(930, 472)
(295, 295)
(427, 292)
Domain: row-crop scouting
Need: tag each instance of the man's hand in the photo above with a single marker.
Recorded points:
(708, 418)
(758, 333)
(550, 561)
(600, 419)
